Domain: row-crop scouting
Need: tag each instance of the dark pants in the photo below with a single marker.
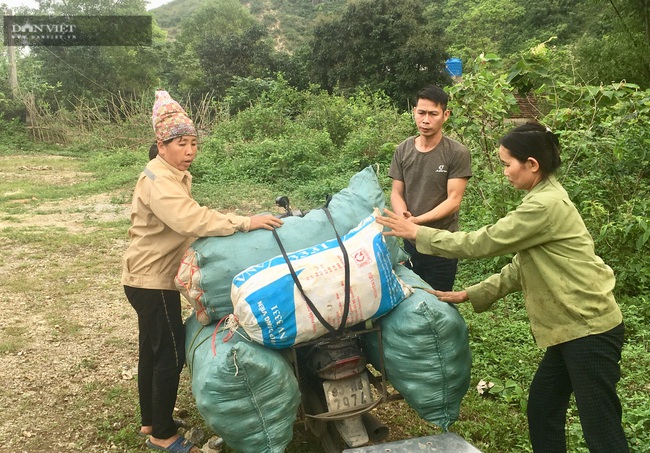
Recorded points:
(439, 273)
(589, 368)
(162, 355)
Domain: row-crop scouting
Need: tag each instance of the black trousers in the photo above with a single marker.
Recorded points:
(438, 272)
(589, 368)
(161, 355)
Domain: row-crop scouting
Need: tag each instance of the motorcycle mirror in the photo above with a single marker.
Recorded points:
(282, 201)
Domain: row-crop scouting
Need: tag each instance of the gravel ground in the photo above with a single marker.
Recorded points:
(68, 337)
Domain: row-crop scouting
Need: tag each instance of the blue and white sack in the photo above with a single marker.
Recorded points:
(209, 265)
(273, 310)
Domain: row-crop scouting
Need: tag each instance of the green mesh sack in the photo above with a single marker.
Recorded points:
(206, 271)
(246, 393)
(426, 352)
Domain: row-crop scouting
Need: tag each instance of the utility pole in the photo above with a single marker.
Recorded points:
(11, 52)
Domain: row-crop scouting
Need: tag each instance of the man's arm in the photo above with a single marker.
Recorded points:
(455, 191)
(397, 198)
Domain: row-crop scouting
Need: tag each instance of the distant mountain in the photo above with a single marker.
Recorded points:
(174, 12)
(288, 22)
(170, 15)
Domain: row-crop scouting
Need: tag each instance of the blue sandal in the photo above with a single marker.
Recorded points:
(180, 445)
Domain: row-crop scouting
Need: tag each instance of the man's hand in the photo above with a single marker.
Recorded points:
(454, 297)
(410, 217)
(266, 221)
(400, 225)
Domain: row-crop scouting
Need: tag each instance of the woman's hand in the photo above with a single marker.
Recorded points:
(399, 226)
(454, 297)
(266, 221)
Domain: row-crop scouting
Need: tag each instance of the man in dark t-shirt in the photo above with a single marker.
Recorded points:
(430, 172)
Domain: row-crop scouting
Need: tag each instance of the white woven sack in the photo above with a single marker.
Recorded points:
(270, 307)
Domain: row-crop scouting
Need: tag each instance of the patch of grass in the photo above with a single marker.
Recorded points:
(14, 208)
(635, 392)
(13, 339)
(116, 343)
(61, 327)
(10, 219)
(491, 424)
(89, 363)
(114, 226)
(120, 420)
(47, 177)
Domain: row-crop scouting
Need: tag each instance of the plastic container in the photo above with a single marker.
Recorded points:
(454, 67)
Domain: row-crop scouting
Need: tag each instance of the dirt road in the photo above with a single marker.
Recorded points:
(68, 338)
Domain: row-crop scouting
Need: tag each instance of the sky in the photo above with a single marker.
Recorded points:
(33, 4)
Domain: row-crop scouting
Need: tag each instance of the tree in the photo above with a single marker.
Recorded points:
(384, 45)
(608, 40)
(96, 72)
(244, 54)
(221, 41)
(617, 45)
(474, 27)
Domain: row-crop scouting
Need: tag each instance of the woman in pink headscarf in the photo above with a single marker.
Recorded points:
(165, 220)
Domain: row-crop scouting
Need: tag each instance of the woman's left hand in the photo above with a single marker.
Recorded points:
(265, 221)
(399, 225)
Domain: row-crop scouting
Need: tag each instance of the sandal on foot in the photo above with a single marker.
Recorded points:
(180, 445)
(177, 421)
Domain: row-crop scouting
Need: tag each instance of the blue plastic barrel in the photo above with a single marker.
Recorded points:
(454, 67)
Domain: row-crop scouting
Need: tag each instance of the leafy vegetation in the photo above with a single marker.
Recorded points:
(273, 122)
(380, 44)
(204, 47)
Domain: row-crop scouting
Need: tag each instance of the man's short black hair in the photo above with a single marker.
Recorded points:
(433, 94)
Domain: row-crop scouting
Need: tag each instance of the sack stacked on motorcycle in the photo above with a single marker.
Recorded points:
(427, 358)
(246, 393)
(210, 264)
(272, 309)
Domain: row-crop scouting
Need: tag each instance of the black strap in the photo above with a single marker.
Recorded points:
(346, 262)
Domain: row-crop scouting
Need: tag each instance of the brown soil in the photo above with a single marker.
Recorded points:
(67, 335)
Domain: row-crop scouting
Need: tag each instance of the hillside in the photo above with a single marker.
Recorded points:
(288, 22)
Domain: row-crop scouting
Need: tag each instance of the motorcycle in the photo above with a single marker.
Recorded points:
(339, 389)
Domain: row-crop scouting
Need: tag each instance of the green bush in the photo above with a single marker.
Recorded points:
(14, 136)
(285, 161)
(606, 142)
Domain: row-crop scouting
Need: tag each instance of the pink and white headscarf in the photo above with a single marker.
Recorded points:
(170, 119)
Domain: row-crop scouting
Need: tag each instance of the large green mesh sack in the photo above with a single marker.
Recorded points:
(426, 352)
(210, 264)
(246, 393)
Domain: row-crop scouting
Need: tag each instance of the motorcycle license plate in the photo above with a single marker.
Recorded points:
(347, 393)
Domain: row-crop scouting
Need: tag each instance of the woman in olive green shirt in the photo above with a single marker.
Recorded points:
(567, 290)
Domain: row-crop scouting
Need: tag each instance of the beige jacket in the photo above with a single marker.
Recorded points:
(165, 220)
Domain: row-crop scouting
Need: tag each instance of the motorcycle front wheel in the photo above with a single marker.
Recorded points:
(326, 432)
